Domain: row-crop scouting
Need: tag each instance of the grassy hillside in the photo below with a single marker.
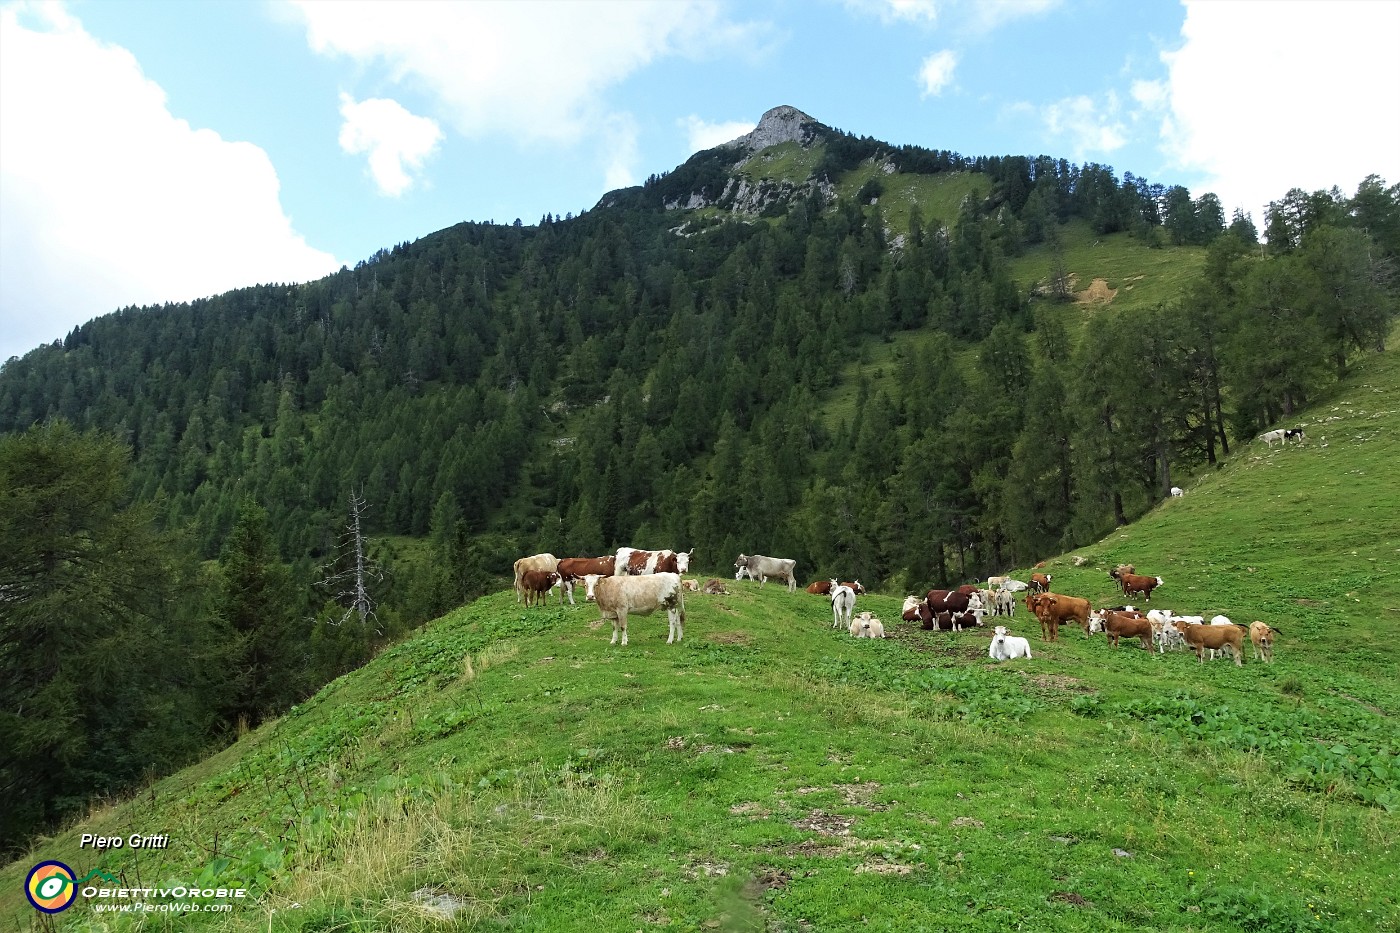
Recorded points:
(771, 773)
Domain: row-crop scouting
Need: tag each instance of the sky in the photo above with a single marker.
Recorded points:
(155, 152)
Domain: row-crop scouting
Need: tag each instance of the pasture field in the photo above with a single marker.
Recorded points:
(771, 773)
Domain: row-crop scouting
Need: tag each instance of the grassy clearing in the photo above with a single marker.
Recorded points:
(772, 773)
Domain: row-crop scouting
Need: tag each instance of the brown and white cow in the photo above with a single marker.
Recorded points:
(633, 562)
(573, 569)
(536, 585)
(1135, 583)
(620, 596)
(1040, 583)
(545, 562)
(823, 587)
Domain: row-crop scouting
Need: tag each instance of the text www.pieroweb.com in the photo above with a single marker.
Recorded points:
(161, 908)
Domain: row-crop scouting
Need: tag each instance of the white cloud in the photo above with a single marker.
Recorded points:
(1300, 95)
(531, 71)
(1088, 125)
(987, 15)
(892, 11)
(619, 140)
(937, 71)
(107, 199)
(702, 135)
(396, 140)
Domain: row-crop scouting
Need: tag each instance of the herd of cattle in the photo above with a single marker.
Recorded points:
(637, 582)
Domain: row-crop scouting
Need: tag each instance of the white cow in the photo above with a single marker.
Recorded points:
(1015, 586)
(866, 625)
(1004, 603)
(617, 597)
(1273, 437)
(1178, 492)
(843, 604)
(545, 562)
(779, 568)
(1007, 647)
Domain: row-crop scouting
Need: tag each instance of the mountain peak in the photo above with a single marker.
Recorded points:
(779, 125)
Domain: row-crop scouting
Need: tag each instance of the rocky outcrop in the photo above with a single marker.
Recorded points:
(780, 125)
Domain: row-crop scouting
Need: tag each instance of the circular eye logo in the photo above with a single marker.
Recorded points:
(50, 887)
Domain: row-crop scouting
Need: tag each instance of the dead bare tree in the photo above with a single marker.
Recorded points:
(348, 574)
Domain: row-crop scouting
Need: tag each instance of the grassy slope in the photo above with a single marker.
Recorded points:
(770, 772)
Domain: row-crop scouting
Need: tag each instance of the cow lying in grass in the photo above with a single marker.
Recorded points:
(866, 625)
(1007, 647)
(618, 597)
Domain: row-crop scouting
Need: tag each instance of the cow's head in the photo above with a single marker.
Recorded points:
(683, 560)
(590, 581)
(1095, 622)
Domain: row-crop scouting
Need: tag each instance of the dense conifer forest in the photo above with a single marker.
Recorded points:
(175, 481)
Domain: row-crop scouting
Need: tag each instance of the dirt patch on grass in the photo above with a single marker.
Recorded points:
(1056, 683)
(772, 878)
(826, 824)
(1098, 293)
(751, 809)
(884, 868)
(860, 795)
(731, 638)
(968, 821)
(1069, 897)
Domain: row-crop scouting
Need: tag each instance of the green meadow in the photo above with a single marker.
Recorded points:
(511, 768)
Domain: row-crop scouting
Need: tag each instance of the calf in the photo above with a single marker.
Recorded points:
(536, 584)
(1214, 637)
(1040, 583)
(843, 604)
(1262, 637)
(545, 562)
(691, 586)
(1177, 492)
(1007, 647)
(1117, 625)
(618, 597)
(1294, 434)
(1004, 603)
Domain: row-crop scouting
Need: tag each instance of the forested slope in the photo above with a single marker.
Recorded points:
(770, 772)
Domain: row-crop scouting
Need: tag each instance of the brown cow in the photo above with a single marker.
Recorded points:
(1053, 609)
(1213, 637)
(536, 585)
(1040, 582)
(573, 569)
(823, 587)
(1118, 625)
(1117, 573)
(1133, 583)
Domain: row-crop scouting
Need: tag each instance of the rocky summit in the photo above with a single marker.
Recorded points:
(779, 125)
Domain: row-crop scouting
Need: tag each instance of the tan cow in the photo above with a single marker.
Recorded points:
(1214, 637)
(1262, 637)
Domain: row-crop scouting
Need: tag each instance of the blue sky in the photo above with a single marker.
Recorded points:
(160, 151)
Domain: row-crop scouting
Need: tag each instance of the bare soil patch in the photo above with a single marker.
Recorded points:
(731, 638)
(826, 824)
(1098, 292)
